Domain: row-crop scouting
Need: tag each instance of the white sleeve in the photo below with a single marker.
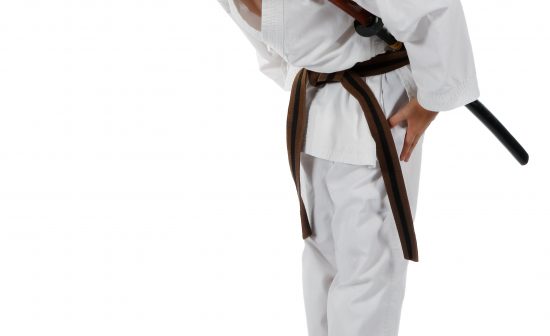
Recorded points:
(270, 63)
(439, 48)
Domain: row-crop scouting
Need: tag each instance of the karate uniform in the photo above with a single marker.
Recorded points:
(353, 270)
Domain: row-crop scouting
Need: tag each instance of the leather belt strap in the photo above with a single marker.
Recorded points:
(386, 150)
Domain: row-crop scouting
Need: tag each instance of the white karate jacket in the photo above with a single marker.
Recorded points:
(314, 34)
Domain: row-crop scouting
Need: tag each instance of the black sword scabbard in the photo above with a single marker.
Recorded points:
(502, 134)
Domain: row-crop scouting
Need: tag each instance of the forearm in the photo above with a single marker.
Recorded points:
(255, 6)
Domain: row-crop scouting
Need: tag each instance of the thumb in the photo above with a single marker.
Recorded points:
(398, 117)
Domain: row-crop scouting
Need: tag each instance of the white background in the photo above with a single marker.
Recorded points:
(135, 198)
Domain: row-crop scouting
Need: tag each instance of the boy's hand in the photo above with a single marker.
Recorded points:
(418, 119)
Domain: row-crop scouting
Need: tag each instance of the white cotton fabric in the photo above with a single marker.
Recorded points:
(316, 35)
(353, 269)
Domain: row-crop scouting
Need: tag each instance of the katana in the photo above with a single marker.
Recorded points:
(368, 25)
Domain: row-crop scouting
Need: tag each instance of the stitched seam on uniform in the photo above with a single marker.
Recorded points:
(272, 25)
(441, 101)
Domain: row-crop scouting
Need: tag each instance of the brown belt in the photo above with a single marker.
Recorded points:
(386, 151)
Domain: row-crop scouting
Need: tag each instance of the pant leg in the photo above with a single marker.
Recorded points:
(354, 272)
(318, 267)
(366, 294)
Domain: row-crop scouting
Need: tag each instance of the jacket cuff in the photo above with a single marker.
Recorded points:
(272, 26)
(460, 95)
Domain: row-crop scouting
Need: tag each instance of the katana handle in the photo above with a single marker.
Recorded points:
(502, 134)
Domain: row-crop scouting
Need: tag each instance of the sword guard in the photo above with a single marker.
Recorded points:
(371, 30)
(376, 28)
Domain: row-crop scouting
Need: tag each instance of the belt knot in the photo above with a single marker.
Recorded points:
(319, 79)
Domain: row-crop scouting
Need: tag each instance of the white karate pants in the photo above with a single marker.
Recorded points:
(354, 272)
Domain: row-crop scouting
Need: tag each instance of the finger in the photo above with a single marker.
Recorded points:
(413, 146)
(398, 117)
(407, 145)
